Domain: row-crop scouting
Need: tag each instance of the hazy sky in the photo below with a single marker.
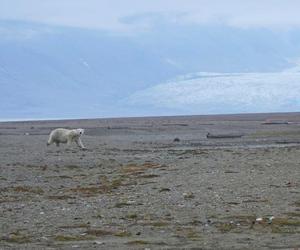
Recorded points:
(129, 72)
(113, 14)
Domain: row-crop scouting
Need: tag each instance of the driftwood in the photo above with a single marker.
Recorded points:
(275, 122)
(223, 136)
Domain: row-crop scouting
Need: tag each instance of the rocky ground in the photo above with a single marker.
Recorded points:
(136, 188)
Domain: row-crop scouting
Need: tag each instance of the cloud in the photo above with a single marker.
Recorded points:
(210, 93)
(115, 14)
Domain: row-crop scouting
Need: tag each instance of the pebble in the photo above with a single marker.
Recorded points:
(99, 242)
(188, 195)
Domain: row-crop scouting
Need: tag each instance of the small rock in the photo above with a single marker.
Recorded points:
(188, 195)
(259, 220)
(99, 242)
(176, 139)
(271, 219)
(164, 190)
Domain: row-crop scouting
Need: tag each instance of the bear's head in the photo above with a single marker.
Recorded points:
(76, 132)
(80, 131)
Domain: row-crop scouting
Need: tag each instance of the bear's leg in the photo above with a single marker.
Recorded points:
(49, 142)
(69, 142)
(57, 144)
(79, 143)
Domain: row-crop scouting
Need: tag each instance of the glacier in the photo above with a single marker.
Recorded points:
(212, 93)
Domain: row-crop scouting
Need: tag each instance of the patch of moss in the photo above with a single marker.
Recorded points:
(188, 232)
(136, 169)
(255, 200)
(60, 197)
(138, 242)
(106, 186)
(293, 214)
(122, 204)
(73, 237)
(225, 227)
(72, 166)
(122, 234)
(286, 222)
(90, 190)
(193, 235)
(17, 237)
(34, 190)
(116, 183)
(148, 176)
(82, 225)
(159, 223)
(65, 177)
(98, 232)
(133, 169)
(131, 216)
(284, 230)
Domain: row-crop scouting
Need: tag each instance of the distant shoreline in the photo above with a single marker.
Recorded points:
(262, 116)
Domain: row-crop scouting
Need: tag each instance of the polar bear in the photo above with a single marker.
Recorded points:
(62, 135)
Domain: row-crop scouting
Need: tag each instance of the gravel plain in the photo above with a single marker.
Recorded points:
(152, 183)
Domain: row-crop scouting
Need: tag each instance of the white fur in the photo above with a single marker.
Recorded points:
(62, 135)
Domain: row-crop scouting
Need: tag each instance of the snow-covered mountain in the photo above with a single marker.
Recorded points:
(58, 72)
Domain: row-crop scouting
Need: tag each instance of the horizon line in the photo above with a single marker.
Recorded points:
(5, 120)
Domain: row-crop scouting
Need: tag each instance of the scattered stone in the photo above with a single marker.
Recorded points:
(176, 139)
(97, 242)
(164, 190)
(259, 220)
(270, 220)
(188, 195)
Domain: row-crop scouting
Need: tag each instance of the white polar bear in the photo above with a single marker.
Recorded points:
(62, 135)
